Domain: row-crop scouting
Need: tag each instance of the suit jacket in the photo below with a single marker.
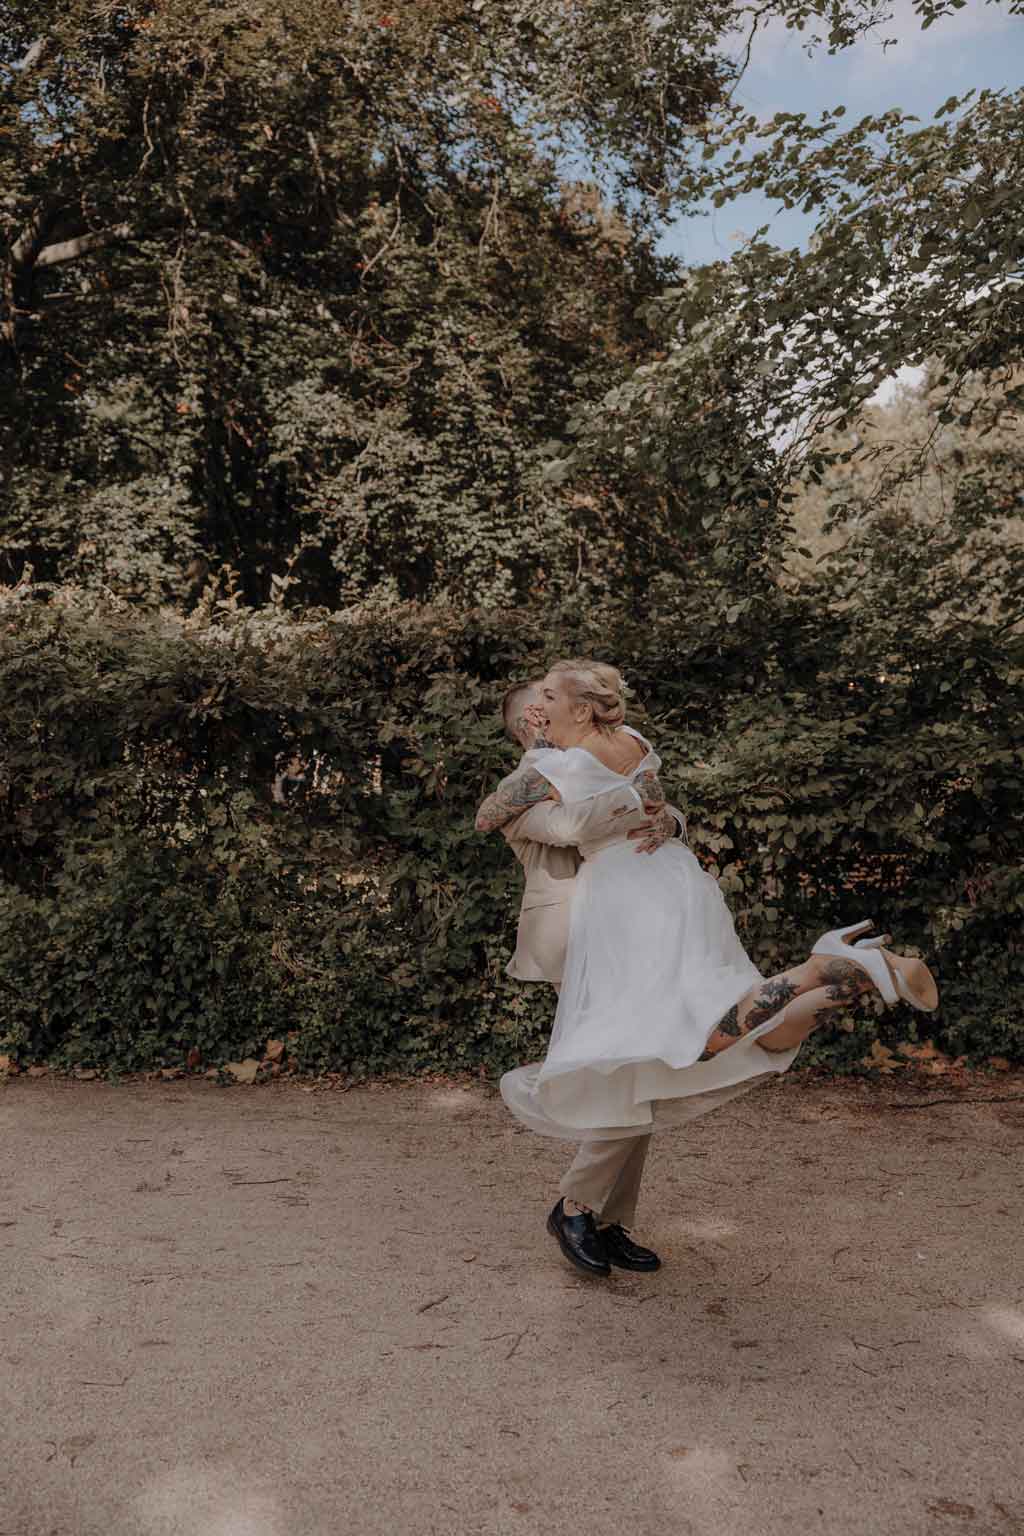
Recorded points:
(550, 871)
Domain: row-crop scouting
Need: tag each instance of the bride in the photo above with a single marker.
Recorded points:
(659, 1005)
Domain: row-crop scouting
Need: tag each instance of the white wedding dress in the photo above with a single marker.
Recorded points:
(653, 965)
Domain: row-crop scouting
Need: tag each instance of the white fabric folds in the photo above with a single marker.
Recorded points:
(653, 964)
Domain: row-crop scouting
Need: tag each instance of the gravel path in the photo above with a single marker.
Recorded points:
(273, 1311)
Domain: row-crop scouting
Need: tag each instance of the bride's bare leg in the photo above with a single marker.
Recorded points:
(800, 1017)
(840, 979)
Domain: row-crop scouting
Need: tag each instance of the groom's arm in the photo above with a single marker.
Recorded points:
(515, 794)
(549, 822)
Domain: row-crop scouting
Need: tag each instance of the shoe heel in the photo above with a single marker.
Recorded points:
(834, 942)
(897, 975)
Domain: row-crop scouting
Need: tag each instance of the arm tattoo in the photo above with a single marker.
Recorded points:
(648, 787)
(523, 788)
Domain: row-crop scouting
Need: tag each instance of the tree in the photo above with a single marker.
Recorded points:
(900, 474)
(303, 293)
(917, 257)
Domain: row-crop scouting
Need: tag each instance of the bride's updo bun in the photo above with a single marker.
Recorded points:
(600, 685)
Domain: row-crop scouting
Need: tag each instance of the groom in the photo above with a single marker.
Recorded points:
(600, 1189)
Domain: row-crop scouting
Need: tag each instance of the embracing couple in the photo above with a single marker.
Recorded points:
(661, 1014)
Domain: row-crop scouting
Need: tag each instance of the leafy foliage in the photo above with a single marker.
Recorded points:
(157, 899)
(333, 398)
(306, 295)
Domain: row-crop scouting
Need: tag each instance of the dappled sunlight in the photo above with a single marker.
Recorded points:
(707, 1231)
(992, 1334)
(215, 1500)
(698, 1465)
(1008, 1323)
(704, 1489)
(453, 1099)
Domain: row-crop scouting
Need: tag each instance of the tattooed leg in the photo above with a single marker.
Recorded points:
(842, 979)
(805, 1014)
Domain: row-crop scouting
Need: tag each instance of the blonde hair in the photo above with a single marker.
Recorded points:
(597, 684)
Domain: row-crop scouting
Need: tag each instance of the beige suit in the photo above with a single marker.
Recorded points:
(605, 1175)
(544, 915)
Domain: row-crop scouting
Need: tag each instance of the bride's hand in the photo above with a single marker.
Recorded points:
(652, 834)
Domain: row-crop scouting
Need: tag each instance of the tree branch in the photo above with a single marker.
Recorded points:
(81, 245)
(34, 54)
(26, 248)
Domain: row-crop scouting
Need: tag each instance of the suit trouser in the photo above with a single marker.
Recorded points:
(605, 1176)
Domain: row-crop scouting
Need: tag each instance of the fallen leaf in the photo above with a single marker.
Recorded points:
(37, 1071)
(881, 1058)
(948, 1507)
(85, 1074)
(243, 1071)
(168, 1072)
(680, 1452)
(917, 1051)
(467, 1258)
(1000, 1063)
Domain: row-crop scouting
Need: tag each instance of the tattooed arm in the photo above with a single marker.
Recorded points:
(517, 791)
(523, 788)
(648, 787)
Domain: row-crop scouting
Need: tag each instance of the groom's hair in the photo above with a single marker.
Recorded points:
(509, 705)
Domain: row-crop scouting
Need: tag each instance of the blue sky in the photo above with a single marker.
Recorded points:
(980, 45)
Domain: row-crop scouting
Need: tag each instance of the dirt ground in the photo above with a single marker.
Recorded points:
(279, 1311)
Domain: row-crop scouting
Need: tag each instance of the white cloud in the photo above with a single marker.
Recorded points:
(778, 49)
(890, 389)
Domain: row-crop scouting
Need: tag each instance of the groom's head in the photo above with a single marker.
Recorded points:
(517, 698)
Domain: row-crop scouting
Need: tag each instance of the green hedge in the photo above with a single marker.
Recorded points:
(157, 898)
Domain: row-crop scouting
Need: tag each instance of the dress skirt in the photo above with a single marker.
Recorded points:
(653, 965)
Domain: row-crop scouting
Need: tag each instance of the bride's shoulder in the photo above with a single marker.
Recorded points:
(631, 742)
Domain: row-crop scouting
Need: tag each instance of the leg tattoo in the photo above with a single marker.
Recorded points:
(837, 984)
(774, 995)
(730, 1025)
(843, 981)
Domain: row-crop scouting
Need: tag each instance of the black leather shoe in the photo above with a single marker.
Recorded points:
(623, 1253)
(578, 1238)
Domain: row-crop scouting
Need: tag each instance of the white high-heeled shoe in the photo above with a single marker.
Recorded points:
(834, 943)
(902, 987)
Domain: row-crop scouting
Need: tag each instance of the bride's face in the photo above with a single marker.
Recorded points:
(562, 725)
